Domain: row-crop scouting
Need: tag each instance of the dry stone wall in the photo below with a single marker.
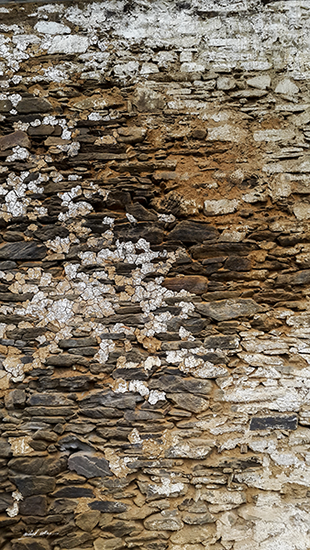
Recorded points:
(155, 275)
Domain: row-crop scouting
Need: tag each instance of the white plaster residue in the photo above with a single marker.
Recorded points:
(156, 396)
(68, 44)
(151, 362)
(139, 386)
(167, 487)
(51, 27)
(19, 153)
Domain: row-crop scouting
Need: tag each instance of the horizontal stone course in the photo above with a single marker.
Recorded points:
(154, 276)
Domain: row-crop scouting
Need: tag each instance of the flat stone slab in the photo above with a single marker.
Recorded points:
(228, 309)
(285, 422)
(89, 465)
(22, 250)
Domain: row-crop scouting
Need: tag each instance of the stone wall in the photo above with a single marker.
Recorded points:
(155, 275)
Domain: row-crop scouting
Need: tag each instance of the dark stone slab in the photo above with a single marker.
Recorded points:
(5, 448)
(193, 232)
(26, 333)
(281, 422)
(11, 297)
(5, 106)
(49, 232)
(22, 250)
(65, 360)
(63, 505)
(110, 399)
(75, 540)
(202, 251)
(7, 265)
(235, 263)
(15, 399)
(195, 284)
(133, 232)
(298, 278)
(108, 507)
(73, 492)
(30, 543)
(38, 465)
(171, 383)
(140, 213)
(34, 105)
(51, 411)
(34, 485)
(89, 465)
(221, 342)
(48, 399)
(6, 500)
(77, 342)
(34, 506)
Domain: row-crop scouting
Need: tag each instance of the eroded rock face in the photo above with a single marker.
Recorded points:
(154, 276)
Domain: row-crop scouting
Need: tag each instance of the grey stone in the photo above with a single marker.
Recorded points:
(75, 540)
(6, 500)
(228, 309)
(287, 87)
(189, 402)
(5, 448)
(65, 360)
(34, 105)
(73, 492)
(283, 422)
(34, 506)
(22, 250)
(298, 278)
(165, 521)
(197, 519)
(108, 507)
(140, 213)
(171, 383)
(193, 232)
(249, 94)
(89, 465)
(62, 505)
(15, 399)
(5, 106)
(34, 485)
(38, 465)
(262, 82)
(48, 399)
(221, 342)
(222, 499)
(225, 83)
(77, 342)
(10, 297)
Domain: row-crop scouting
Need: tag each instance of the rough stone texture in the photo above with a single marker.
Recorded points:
(155, 275)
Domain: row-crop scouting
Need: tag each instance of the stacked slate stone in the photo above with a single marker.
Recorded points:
(155, 276)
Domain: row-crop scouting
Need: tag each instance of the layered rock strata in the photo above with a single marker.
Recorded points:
(155, 275)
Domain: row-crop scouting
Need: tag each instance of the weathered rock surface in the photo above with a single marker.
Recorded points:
(225, 310)
(155, 275)
(89, 465)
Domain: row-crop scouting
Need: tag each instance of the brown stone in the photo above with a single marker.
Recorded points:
(195, 284)
(15, 139)
(87, 521)
(34, 105)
